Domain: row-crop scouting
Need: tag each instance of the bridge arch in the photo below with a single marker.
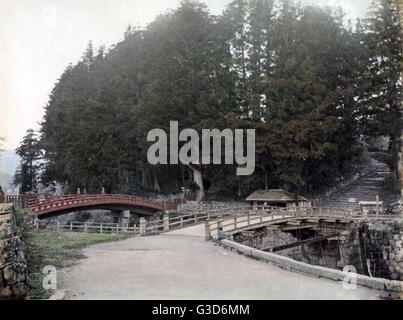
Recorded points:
(51, 206)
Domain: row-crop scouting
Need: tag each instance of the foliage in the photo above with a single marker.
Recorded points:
(380, 88)
(192, 186)
(81, 216)
(398, 226)
(24, 221)
(30, 152)
(309, 84)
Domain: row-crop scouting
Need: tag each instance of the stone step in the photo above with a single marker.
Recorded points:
(365, 188)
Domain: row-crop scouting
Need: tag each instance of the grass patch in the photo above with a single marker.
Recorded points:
(60, 249)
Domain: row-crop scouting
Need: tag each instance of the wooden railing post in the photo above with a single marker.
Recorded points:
(101, 229)
(181, 222)
(219, 223)
(248, 218)
(207, 232)
(117, 228)
(71, 226)
(166, 222)
(85, 227)
(142, 227)
(235, 222)
(57, 226)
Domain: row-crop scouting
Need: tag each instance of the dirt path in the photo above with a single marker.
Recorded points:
(181, 265)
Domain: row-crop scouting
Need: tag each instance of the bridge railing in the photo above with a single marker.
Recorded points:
(262, 215)
(255, 212)
(17, 200)
(44, 203)
(168, 223)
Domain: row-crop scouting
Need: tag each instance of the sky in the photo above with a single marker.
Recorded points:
(39, 38)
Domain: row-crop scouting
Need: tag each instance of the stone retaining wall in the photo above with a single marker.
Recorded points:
(13, 271)
(194, 206)
(384, 240)
(393, 286)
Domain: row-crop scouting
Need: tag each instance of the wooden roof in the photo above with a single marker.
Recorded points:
(274, 195)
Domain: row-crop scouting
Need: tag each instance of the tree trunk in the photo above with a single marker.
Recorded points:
(198, 179)
(182, 175)
(156, 185)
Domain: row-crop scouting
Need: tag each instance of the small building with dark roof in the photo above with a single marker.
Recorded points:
(276, 198)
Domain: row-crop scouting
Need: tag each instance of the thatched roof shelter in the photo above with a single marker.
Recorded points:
(274, 196)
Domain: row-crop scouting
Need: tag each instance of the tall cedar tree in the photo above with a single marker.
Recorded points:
(294, 73)
(30, 153)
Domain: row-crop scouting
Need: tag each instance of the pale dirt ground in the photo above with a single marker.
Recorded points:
(181, 265)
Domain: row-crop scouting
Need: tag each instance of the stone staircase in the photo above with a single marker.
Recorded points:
(365, 188)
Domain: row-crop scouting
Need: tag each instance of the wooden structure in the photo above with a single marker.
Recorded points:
(277, 198)
(371, 206)
(46, 206)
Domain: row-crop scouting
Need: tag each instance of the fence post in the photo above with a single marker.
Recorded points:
(57, 226)
(100, 230)
(181, 222)
(142, 227)
(235, 223)
(85, 227)
(248, 216)
(71, 226)
(117, 228)
(166, 222)
(219, 223)
(207, 233)
(377, 204)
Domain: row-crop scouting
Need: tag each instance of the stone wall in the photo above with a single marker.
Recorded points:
(13, 271)
(373, 247)
(394, 287)
(383, 245)
(194, 206)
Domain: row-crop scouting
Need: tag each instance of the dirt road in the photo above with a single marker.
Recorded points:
(181, 265)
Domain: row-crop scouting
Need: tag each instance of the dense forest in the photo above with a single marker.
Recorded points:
(312, 85)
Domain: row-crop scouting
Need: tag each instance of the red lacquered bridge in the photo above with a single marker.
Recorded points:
(46, 206)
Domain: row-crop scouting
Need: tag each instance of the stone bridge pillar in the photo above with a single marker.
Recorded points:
(122, 218)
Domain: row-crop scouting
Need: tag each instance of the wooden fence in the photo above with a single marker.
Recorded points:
(85, 227)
